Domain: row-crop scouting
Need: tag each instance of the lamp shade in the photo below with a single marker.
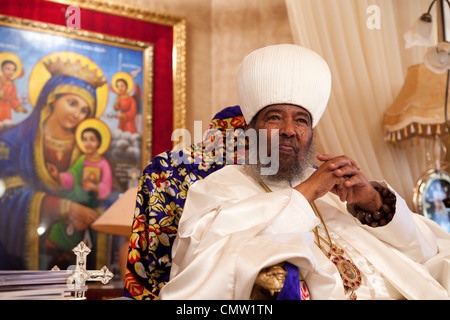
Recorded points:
(117, 219)
(419, 108)
(420, 33)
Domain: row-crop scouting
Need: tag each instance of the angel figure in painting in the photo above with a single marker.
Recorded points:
(122, 84)
(10, 69)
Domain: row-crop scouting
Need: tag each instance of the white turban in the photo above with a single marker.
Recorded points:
(283, 74)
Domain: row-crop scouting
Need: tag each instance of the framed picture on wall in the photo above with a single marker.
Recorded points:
(84, 107)
(432, 196)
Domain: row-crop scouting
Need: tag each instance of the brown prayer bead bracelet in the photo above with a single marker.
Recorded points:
(380, 217)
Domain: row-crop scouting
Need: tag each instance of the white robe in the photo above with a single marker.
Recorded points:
(231, 228)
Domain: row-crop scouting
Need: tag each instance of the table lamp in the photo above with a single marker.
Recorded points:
(421, 110)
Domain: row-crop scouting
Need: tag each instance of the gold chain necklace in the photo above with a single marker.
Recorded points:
(349, 272)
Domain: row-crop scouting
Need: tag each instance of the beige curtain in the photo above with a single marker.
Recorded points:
(368, 67)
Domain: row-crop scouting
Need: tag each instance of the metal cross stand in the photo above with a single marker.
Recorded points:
(77, 280)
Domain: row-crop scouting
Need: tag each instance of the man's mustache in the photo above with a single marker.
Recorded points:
(288, 142)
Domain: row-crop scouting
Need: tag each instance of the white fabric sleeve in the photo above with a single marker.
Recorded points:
(405, 231)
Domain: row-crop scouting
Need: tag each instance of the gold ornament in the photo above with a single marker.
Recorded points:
(349, 272)
(74, 69)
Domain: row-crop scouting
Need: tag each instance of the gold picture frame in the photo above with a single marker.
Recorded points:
(162, 44)
(83, 35)
(166, 32)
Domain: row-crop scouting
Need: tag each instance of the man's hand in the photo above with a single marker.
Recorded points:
(341, 175)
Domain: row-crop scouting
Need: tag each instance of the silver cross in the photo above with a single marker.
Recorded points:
(77, 280)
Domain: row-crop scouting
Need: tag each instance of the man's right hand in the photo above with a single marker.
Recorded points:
(330, 176)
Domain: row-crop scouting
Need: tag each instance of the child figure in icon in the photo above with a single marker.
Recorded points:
(10, 69)
(88, 181)
(122, 84)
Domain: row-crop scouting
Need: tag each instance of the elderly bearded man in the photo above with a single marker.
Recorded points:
(238, 222)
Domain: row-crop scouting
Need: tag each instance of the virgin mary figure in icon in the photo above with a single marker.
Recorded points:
(65, 88)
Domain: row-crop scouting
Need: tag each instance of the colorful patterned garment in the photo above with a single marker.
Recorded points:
(161, 195)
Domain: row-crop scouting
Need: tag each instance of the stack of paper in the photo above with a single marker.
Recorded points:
(40, 285)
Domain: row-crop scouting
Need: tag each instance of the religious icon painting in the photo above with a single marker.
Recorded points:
(74, 110)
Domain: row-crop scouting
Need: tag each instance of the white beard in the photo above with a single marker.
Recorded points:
(297, 169)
